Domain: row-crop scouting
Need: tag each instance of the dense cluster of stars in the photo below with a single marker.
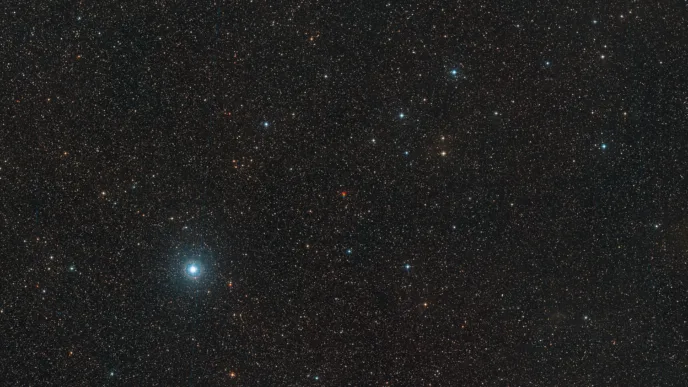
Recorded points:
(311, 194)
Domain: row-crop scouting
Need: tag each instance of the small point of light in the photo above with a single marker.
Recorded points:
(317, 378)
(406, 153)
(603, 146)
(407, 266)
(496, 113)
(349, 251)
(443, 153)
(266, 124)
(344, 194)
(548, 63)
(454, 72)
(602, 57)
(402, 115)
(594, 22)
(656, 226)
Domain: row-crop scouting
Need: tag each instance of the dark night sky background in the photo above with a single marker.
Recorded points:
(406, 193)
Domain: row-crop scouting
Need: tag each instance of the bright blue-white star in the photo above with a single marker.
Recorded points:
(603, 146)
(266, 124)
(349, 251)
(407, 267)
(402, 115)
(406, 153)
(454, 72)
(193, 270)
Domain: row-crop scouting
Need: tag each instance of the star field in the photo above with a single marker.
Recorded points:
(308, 193)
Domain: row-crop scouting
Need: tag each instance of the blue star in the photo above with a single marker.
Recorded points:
(548, 63)
(406, 153)
(193, 270)
(266, 124)
(407, 267)
(402, 115)
(454, 72)
(349, 251)
(603, 146)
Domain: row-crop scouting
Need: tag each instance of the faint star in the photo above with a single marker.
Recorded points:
(348, 251)
(406, 153)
